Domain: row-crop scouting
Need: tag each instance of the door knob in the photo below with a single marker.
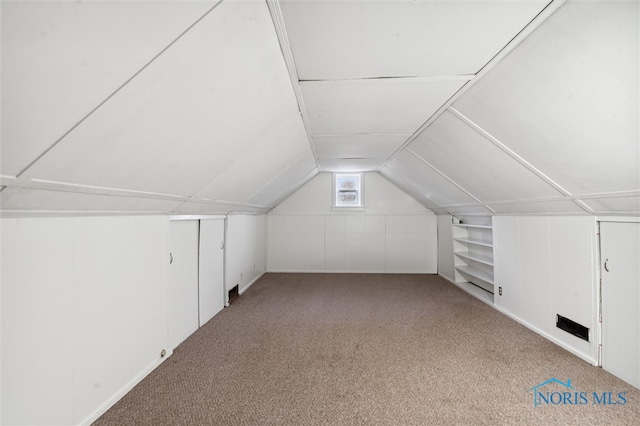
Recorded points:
(606, 263)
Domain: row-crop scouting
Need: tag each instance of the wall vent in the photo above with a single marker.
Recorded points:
(233, 294)
(572, 327)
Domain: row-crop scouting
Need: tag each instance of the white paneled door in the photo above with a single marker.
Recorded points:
(620, 266)
(183, 281)
(211, 283)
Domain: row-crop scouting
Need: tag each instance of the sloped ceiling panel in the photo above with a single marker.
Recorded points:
(214, 96)
(393, 177)
(629, 204)
(349, 165)
(386, 106)
(265, 158)
(403, 38)
(560, 206)
(469, 159)
(62, 59)
(385, 68)
(424, 178)
(286, 182)
(567, 100)
(358, 146)
(188, 116)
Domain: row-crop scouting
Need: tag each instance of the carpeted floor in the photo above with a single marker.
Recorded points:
(360, 349)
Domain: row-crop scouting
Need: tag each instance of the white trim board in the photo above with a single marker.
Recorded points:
(124, 390)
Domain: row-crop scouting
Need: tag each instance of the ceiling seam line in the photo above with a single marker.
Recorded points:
(489, 137)
(426, 124)
(410, 185)
(434, 78)
(287, 54)
(513, 43)
(117, 90)
(449, 179)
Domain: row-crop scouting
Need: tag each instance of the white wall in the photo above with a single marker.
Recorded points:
(84, 313)
(445, 247)
(547, 266)
(245, 250)
(394, 233)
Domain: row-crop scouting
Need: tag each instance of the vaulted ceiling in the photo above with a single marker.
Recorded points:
(481, 107)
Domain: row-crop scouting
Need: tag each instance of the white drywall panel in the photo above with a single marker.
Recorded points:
(560, 206)
(381, 196)
(546, 266)
(471, 160)
(445, 247)
(412, 244)
(395, 178)
(170, 134)
(614, 204)
(350, 164)
(295, 243)
(358, 146)
(429, 182)
(313, 197)
(566, 100)
(245, 250)
(266, 158)
(79, 53)
(394, 233)
(64, 278)
(385, 106)
(340, 40)
(290, 178)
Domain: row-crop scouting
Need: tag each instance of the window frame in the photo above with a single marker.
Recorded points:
(336, 203)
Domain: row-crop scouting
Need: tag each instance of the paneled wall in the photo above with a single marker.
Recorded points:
(445, 247)
(245, 250)
(393, 234)
(84, 313)
(547, 266)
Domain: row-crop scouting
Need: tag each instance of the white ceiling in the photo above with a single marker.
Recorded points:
(472, 107)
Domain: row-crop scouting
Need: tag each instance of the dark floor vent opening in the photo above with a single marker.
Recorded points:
(233, 294)
(572, 327)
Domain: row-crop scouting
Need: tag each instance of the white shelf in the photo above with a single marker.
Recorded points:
(474, 242)
(475, 257)
(469, 225)
(476, 273)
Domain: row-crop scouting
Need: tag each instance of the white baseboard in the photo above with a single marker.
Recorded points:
(542, 333)
(245, 288)
(124, 390)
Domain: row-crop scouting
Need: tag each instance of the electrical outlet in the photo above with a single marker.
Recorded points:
(500, 291)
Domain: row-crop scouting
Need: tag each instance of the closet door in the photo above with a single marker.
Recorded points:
(620, 251)
(211, 268)
(183, 281)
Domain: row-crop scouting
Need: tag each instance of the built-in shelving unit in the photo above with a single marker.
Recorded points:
(473, 255)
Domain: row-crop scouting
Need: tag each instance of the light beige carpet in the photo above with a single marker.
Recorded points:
(367, 349)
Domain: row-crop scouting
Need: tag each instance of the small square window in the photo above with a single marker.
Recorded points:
(347, 190)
